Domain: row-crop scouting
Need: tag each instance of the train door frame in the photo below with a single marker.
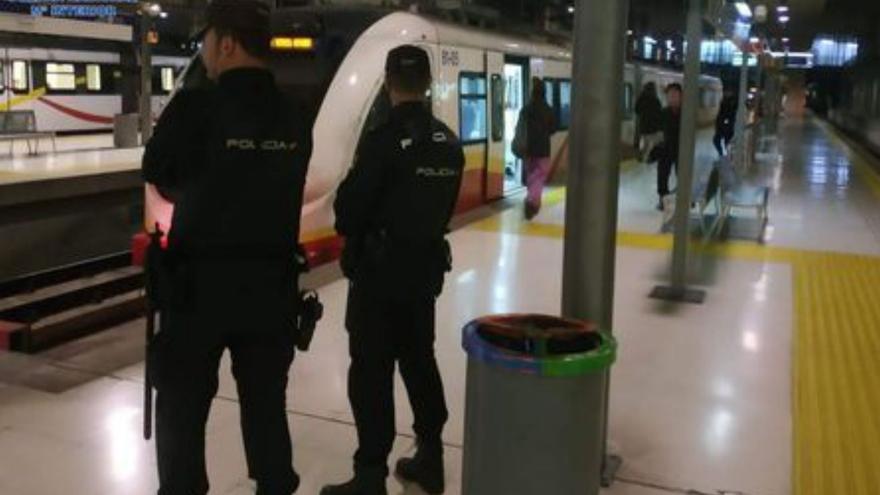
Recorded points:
(496, 149)
(517, 182)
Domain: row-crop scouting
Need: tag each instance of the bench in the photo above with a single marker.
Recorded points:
(704, 189)
(736, 193)
(16, 125)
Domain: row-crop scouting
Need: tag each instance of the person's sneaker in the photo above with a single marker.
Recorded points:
(425, 470)
(361, 484)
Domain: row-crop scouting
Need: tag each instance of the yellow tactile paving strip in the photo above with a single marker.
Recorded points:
(836, 376)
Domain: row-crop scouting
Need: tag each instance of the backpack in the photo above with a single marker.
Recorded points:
(520, 144)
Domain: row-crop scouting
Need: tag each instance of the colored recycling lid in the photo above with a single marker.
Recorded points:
(539, 344)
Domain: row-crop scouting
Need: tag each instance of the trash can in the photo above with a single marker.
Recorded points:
(125, 130)
(534, 408)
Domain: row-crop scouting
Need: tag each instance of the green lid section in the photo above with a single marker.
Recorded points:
(598, 359)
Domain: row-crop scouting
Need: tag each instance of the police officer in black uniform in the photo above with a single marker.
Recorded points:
(393, 210)
(233, 158)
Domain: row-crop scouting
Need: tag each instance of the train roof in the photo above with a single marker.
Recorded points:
(409, 27)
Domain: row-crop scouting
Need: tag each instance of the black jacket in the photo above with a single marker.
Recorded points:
(541, 126)
(671, 132)
(726, 120)
(234, 157)
(650, 113)
(395, 205)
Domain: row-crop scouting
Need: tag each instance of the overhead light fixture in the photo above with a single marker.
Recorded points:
(163, 15)
(743, 9)
(784, 19)
(782, 9)
(785, 40)
(754, 40)
(571, 9)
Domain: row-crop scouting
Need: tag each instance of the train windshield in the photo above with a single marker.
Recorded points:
(305, 75)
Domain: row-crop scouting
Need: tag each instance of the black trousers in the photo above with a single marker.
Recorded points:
(665, 166)
(184, 361)
(722, 140)
(383, 332)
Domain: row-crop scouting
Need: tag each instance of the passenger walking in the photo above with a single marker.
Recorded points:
(649, 124)
(671, 131)
(233, 158)
(540, 126)
(725, 122)
(393, 210)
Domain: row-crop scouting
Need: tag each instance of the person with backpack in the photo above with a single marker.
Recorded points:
(649, 126)
(535, 127)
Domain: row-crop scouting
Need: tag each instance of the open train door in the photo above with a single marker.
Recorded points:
(516, 84)
(498, 142)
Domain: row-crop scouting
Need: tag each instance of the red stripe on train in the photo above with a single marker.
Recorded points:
(77, 114)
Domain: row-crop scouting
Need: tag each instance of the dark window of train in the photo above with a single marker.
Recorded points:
(60, 77)
(2, 77)
(19, 76)
(472, 108)
(93, 77)
(497, 108)
(564, 104)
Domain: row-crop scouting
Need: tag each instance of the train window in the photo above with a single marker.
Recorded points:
(167, 79)
(497, 108)
(60, 77)
(19, 75)
(472, 107)
(564, 104)
(93, 77)
(2, 77)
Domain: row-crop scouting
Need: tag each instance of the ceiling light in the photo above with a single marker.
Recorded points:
(784, 19)
(782, 9)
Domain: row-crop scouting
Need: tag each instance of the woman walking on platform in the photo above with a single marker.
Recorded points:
(540, 124)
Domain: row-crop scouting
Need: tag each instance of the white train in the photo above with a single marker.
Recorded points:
(74, 90)
(333, 58)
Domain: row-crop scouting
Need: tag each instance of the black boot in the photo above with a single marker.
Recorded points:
(424, 469)
(365, 482)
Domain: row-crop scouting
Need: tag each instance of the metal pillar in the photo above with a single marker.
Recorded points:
(741, 118)
(594, 176)
(678, 291)
(146, 107)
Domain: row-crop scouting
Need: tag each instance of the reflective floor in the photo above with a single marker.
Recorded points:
(701, 395)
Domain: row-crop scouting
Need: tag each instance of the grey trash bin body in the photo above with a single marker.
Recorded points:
(534, 405)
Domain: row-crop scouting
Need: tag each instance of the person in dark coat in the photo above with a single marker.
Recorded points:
(233, 157)
(671, 131)
(649, 124)
(725, 122)
(394, 209)
(541, 126)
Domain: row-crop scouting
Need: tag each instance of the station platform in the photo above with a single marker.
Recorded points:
(82, 202)
(769, 388)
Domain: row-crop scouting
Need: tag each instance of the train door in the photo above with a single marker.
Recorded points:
(516, 79)
(495, 166)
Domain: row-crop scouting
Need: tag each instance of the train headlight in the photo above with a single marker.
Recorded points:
(292, 43)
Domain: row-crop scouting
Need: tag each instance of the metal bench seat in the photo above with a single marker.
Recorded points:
(18, 125)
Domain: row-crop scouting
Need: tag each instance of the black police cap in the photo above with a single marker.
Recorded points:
(237, 15)
(408, 60)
